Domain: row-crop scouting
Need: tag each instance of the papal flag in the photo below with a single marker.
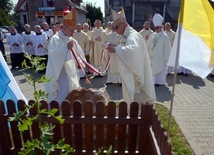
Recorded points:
(195, 37)
(8, 86)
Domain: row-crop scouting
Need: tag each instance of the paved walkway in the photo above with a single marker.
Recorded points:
(193, 110)
(193, 105)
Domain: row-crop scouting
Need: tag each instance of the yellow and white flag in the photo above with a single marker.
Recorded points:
(196, 38)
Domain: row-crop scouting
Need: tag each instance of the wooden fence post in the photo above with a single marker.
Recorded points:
(5, 144)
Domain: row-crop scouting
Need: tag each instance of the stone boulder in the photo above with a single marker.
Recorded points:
(94, 95)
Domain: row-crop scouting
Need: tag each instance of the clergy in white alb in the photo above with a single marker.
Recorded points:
(27, 41)
(146, 31)
(108, 28)
(97, 36)
(88, 32)
(39, 43)
(169, 32)
(47, 30)
(171, 35)
(55, 28)
(14, 41)
(82, 38)
(113, 75)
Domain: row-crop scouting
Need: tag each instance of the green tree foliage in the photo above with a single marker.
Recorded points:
(15, 17)
(6, 9)
(45, 144)
(4, 19)
(94, 13)
(7, 6)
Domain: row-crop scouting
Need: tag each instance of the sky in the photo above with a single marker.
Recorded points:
(98, 3)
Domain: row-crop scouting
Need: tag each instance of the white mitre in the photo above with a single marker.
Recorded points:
(157, 20)
(118, 16)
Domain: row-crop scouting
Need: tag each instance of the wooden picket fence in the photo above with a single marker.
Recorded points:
(87, 131)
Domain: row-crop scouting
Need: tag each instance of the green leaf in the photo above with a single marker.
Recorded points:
(26, 123)
(60, 119)
(109, 151)
(99, 151)
(45, 143)
(27, 56)
(66, 148)
(12, 118)
(23, 127)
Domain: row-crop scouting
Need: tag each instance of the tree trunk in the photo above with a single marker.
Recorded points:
(31, 11)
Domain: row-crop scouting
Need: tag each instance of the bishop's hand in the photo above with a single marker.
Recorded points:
(111, 48)
(70, 45)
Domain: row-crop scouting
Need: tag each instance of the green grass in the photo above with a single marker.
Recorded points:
(180, 146)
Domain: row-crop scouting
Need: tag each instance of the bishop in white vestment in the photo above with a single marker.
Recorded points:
(159, 48)
(133, 62)
(62, 67)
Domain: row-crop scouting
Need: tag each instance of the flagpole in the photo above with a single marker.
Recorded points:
(179, 29)
(174, 77)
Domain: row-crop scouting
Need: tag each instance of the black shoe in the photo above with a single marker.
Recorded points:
(211, 75)
(157, 85)
(100, 76)
(108, 83)
(88, 72)
(179, 73)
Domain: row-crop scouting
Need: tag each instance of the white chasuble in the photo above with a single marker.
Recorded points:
(135, 68)
(159, 48)
(61, 67)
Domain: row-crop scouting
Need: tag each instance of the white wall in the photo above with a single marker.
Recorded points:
(81, 17)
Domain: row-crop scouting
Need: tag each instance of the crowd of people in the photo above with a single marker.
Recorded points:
(135, 60)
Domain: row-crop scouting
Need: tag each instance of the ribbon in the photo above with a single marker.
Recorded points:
(82, 63)
(101, 59)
